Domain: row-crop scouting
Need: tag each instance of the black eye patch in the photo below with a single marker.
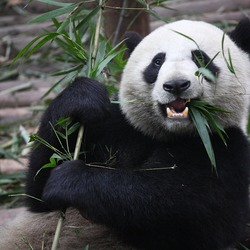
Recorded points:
(151, 72)
(201, 59)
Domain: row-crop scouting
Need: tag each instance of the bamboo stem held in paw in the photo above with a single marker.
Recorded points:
(78, 142)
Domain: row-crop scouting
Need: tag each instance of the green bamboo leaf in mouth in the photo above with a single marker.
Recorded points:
(204, 117)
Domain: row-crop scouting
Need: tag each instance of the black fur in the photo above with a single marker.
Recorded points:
(184, 207)
(241, 35)
(132, 39)
(118, 181)
(85, 101)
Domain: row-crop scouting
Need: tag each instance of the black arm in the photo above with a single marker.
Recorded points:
(85, 101)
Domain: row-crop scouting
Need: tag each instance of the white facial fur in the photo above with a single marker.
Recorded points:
(140, 100)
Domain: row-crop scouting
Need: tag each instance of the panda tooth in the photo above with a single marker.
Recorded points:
(185, 112)
(169, 112)
(172, 114)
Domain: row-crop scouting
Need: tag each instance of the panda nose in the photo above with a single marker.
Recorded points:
(176, 86)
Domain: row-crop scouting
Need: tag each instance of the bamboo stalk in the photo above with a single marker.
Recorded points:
(58, 231)
(121, 17)
(97, 34)
(78, 142)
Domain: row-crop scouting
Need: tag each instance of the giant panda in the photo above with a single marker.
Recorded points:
(144, 180)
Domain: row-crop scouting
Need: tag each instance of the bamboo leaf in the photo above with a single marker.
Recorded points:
(57, 24)
(54, 13)
(206, 73)
(228, 61)
(201, 127)
(189, 38)
(73, 128)
(202, 112)
(200, 62)
(52, 164)
(104, 63)
(46, 39)
(27, 47)
(76, 48)
(113, 53)
(51, 2)
(72, 15)
(8, 154)
(63, 122)
(85, 21)
(65, 72)
(58, 157)
(63, 25)
(60, 134)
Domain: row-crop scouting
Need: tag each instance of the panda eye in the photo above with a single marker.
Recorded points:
(158, 62)
(201, 59)
(151, 72)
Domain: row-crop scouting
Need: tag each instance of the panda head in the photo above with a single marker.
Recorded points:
(160, 76)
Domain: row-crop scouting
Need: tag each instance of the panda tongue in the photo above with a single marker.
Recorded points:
(178, 105)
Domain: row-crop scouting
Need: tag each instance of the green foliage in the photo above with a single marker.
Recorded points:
(4, 153)
(11, 184)
(62, 130)
(74, 25)
(66, 8)
(228, 60)
(69, 35)
(203, 70)
(16, 144)
(204, 117)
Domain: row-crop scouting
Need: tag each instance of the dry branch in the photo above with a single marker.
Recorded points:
(14, 115)
(30, 29)
(23, 99)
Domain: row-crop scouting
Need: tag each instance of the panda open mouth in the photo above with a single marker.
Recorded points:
(176, 109)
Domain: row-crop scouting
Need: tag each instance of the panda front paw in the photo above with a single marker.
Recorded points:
(85, 100)
(59, 192)
(94, 104)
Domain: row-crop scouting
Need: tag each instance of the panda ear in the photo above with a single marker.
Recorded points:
(132, 39)
(241, 35)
